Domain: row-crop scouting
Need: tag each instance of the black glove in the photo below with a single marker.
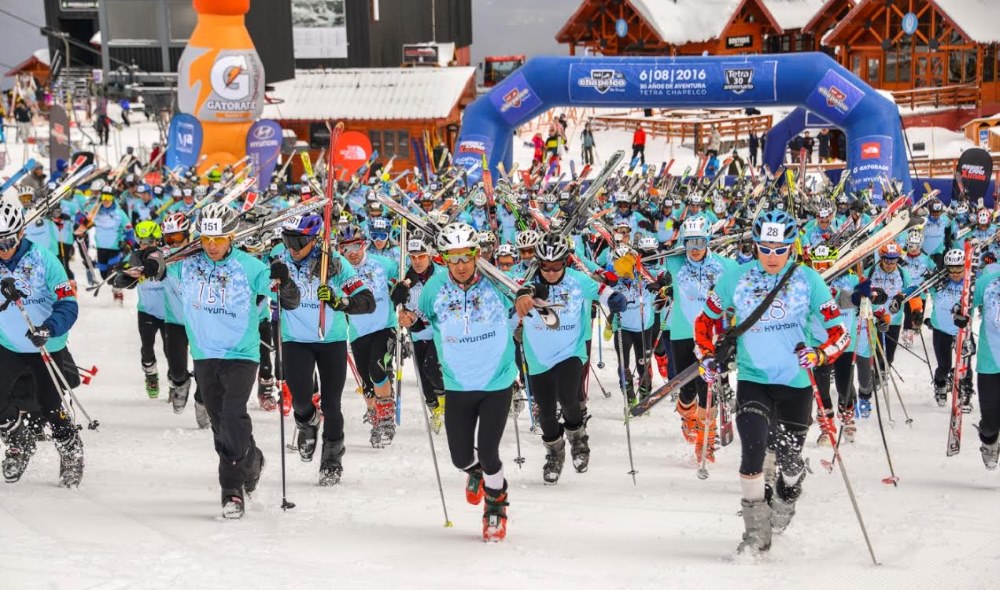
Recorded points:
(961, 321)
(9, 290)
(879, 296)
(333, 266)
(400, 293)
(988, 258)
(897, 303)
(533, 290)
(861, 290)
(653, 287)
(916, 318)
(39, 335)
(325, 294)
(279, 271)
(151, 261)
(882, 325)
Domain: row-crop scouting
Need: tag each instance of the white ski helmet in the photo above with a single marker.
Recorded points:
(621, 197)
(719, 206)
(954, 257)
(528, 238)
(487, 238)
(506, 250)
(457, 235)
(695, 227)
(217, 219)
(824, 212)
(646, 242)
(439, 217)
(175, 223)
(11, 218)
(915, 238)
(479, 199)
(552, 247)
(416, 246)
(984, 217)
(696, 198)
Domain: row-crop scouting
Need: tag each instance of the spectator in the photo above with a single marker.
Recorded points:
(714, 142)
(842, 145)
(539, 156)
(561, 126)
(587, 138)
(737, 166)
(754, 144)
(795, 147)
(22, 117)
(809, 144)
(552, 143)
(712, 167)
(124, 104)
(823, 139)
(35, 180)
(639, 144)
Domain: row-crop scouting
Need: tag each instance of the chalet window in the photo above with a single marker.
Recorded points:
(390, 143)
(989, 63)
(905, 60)
(403, 145)
(376, 139)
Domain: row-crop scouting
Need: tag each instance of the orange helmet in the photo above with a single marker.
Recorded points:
(890, 250)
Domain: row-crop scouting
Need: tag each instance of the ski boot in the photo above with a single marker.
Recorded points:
(991, 454)
(179, 395)
(119, 297)
(579, 448)
(783, 501)
(20, 442)
(474, 487)
(152, 380)
(757, 525)
(384, 428)
(436, 413)
(331, 465)
(689, 420)
(305, 439)
(495, 515)
(201, 415)
(940, 394)
(645, 385)
(630, 391)
(253, 472)
(700, 441)
(847, 420)
(661, 364)
(864, 407)
(265, 395)
(826, 427)
(70, 460)
(555, 456)
(232, 503)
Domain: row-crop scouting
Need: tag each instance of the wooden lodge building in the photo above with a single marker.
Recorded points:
(897, 45)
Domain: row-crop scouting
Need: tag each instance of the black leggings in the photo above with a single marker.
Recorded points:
(106, 260)
(943, 352)
(683, 355)
(465, 410)
(266, 370)
(370, 353)
(989, 407)
(148, 327)
(15, 364)
(175, 346)
(842, 371)
(425, 358)
(65, 255)
(300, 359)
(757, 404)
(558, 384)
(227, 385)
(641, 343)
(889, 341)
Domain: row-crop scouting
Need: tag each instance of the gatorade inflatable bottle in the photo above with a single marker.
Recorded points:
(220, 79)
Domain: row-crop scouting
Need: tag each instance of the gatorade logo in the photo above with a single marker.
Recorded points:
(229, 77)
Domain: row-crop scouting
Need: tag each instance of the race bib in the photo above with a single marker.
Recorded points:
(211, 227)
(772, 232)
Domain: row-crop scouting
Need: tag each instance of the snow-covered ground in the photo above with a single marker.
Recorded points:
(147, 513)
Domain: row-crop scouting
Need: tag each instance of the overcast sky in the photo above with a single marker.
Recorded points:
(505, 27)
(19, 40)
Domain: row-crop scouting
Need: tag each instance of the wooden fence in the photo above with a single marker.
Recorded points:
(962, 95)
(733, 126)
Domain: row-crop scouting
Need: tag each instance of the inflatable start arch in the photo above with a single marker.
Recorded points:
(812, 81)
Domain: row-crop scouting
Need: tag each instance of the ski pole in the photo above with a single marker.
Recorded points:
(607, 394)
(843, 470)
(527, 390)
(926, 355)
(66, 393)
(279, 373)
(628, 428)
(920, 358)
(517, 439)
(873, 340)
(430, 439)
(600, 348)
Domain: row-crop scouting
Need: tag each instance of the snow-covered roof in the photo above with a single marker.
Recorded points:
(793, 14)
(686, 21)
(42, 55)
(978, 18)
(370, 94)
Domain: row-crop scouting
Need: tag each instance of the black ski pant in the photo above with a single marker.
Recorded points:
(373, 358)
(15, 364)
(425, 357)
(107, 258)
(148, 328)
(300, 360)
(989, 407)
(463, 412)
(266, 371)
(889, 342)
(842, 373)
(639, 342)
(175, 346)
(638, 151)
(558, 385)
(757, 405)
(226, 385)
(683, 354)
(585, 380)
(65, 255)
(942, 344)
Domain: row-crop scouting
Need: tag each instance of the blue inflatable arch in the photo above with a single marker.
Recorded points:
(812, 81)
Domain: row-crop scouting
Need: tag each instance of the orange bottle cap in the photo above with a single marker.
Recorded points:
(222, 7)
